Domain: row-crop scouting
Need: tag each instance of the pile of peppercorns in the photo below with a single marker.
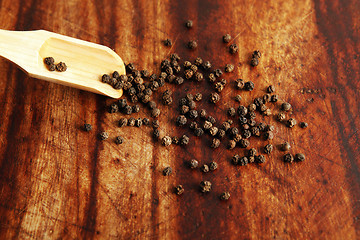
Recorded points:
(139, 87)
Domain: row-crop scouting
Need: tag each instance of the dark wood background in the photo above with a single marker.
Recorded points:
(58, 182)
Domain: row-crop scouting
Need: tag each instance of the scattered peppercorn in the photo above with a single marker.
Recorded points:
(288, 158)
(138, 122)
(285, 146)
(119, 140)
(215, 143)
(291, 122)
(260, 159)
(198, 97)
(238, 98)
(303, 125)
(225, 196)
(189, 24)
(192, 44)
(167, 171)
(61, 67)
(156, 134)
(268, 148)
(299, 157)
(244, 143)
(103, 136)
(49, 61)
(286, 106)
(205, 186)
(268, 135)
(193, 163)
(146, 121)
(229, 68)
(179, 189)
(87, 127)
(256, 54)
(204, 168)
(226, 38)
(155, 112)
(254, 62)
(233, 48)
(214, 97)
(252, 152)
(249, 86)
(131, 122)
(184, 140)
(270, 89)
(167, 42)
(213, 166)
(181, 120)
(206, 65)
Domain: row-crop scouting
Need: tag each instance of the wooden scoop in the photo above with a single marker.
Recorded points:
(86, 62)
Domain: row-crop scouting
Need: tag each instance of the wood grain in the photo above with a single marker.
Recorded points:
(58, 182)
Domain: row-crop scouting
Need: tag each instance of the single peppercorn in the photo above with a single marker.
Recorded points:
(261, 126)
(249, 86)
(179, 190)
(205, 186)
(229, 68)
(189, 24)
(226, 38)
(219, 87)
(246, 134)
(235, 159)
(179, 80)
(233, 48)
(103, 136)
(221, 133)
(269, 128)
(236, 137)
(87, 127)
(303, 125)
(167, 42)
(198, 132)
(166, 141)
(243, 161)
(224, 196)
(175, 140)
(156, 134)
(280, 116)
(268, 148)
(49, 61)
(244, 143)
(116, 74)
(138, 122)
(270, 89)
(119, 140)
(291, 122)
(252, 152)
(211, 119)
(61, 67)
(151, 104)
(268, 135)
(193, 163)
(184, 140)
(238, 98)
(146, 121)
(252, 107)
(192, 44)
(167, 171)
(181, 120)
(155, 112)
(131, 122)
(206, 65)
(136, 108)
(254, 62)
(260, 159)
(199, 76)
(52, 67)
(231, 112)
(267, 98)
(299, 157)
(213, 166)
(251, 159)
(218, 72)
(214, 97)
(198, 61)
(188, 73)
(213, 131)
(215, 143)
(231, 144)
(155, 124)
(285, 146)
(286, 106)
(203, 113)
(256, 54)
(198, 97)
(255, 131)
(204, 168)
(288, 158)
(242, 111)
(239, 83)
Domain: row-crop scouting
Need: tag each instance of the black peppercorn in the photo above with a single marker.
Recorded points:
(231, 144)
(256, 54)
(192, 44)
(255, 131)
(103, 136)
(274, 98)
(215, 143)
(193, 163)
(193, 114)
(49, 61)
(303, 125)
(131, 122)
(270, 89)
(204, 168)
(199, 76)
(260, 159)
(167, 171)
(231, 112)
(214, 97)
(238, 98)
(288, 158)
(203, 113)
(193, 125)
(206, 65)
(138, 122)
(61, 67)
(218, 72)
(166, 141)
(105, 78)
(219, 87)
(174, 57)
(252, 152)
(213, 131)
(211, 119)
(205, 186)
(213, 166)
(184, 109)
(87, 127)
(198, 132)
(244, 143)
(122, 122)
(113, 108)
(155, 124)
(268, 135)
(167, 42)
(225, 196)
(211, 77)
(155, 112)
(280, 116)
(243, 161)
(128, 110)
(291, 122)
(235, 159)
(229, 68)
(175, 140)
(249, 86)
(299, 157)
(239, 83)
(181, 120)
(286, 106)
(268, 148)
(119, 140)
(146, 121)
(189, 24)
(136, 108)
(188, 73)
(184, 140)
(198, 61)
(254, 62)
(226, 38)
(233, 48)
(179, 190)
(285, 146)
(246, 134)
(207, 125)
(242, 111)
(151, 104)
(198, 97)
(156, 134)
(221, 133)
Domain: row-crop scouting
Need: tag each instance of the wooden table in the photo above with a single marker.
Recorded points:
(58, 182)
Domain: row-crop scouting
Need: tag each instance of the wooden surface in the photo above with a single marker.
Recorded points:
(58, 182)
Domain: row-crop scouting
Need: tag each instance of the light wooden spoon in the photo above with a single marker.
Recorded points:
(86, 62)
